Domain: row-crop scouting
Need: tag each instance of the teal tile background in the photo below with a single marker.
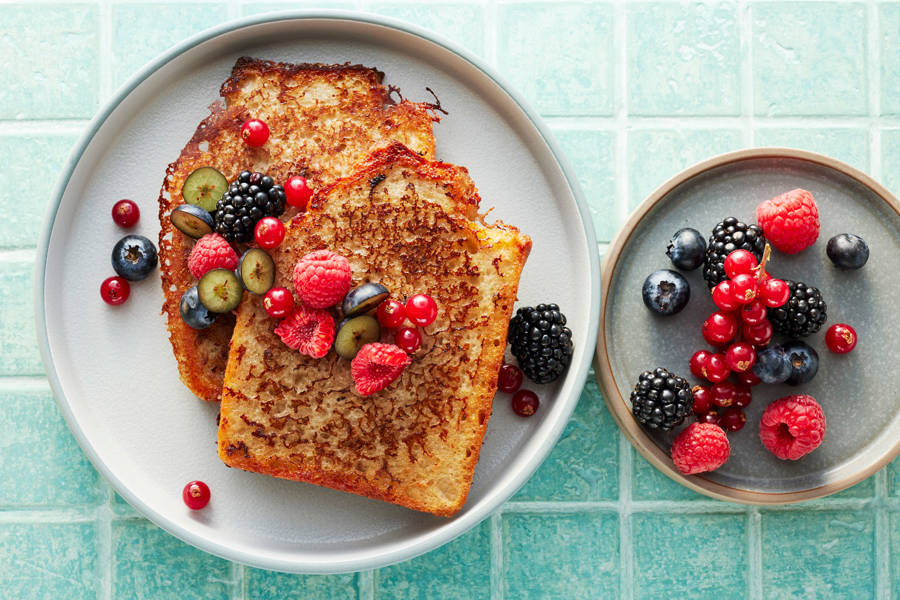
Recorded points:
(633, 92)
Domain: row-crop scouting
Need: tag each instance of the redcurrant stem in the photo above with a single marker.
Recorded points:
(767, 253)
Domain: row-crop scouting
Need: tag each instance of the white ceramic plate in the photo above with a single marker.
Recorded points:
(113, 371)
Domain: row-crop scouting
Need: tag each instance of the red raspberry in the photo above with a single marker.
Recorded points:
(790, 221)
(322, 278)
(699, 448)
(309, 330)
(210, 252)
(376, 365)
(792, 427)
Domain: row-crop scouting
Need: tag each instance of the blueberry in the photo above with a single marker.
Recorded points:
(804, 362)
(772, 365)
(847, 251)
(134, 257)
(666, 292)
(193, 312)
(364, 298)
(687, 249)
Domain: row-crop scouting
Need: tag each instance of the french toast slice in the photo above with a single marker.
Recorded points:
(411, 225)
(322, 119)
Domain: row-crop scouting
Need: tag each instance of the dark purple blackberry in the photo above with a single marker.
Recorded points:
(804, 312)
(541, 342)
(728, 236)
(248, 199)
(661, 400)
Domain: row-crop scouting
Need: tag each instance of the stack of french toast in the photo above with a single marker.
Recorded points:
(401, 220)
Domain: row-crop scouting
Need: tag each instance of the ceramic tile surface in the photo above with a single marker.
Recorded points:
(633, 92)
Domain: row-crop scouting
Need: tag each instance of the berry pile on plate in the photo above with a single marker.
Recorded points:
(752, 306)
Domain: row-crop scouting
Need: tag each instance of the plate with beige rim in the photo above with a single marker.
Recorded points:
(857, 391)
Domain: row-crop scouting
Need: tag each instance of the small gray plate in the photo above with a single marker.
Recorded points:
(858, 391)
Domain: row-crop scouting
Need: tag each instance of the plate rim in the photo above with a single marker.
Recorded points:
(421, 542)
(615, 402)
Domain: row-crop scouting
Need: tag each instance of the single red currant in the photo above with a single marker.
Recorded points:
(421, 309)
(525, 403)
(774, 292)
(269, 232)
(702, 400)
(722, 393)
(716, 370)
(732, 419)
(297, 191)
(758, 335)
(125, 213)
(753, 313)
(841, 338)
(719, 328)
(740, 357)
(747, 378)
(510, 379)
(115, 290)
(742, 396)
(723, 296)
(391, 314)
(711, 417)
(698, 361)
(408, 339)
(740, 262)
(278, 302)
(195, 495)
(744, 288)
(254, 132)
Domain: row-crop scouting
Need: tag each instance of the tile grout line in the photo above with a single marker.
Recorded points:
(105, 544)
(754, 553)
(496, 573)
(621, 123)
(24, 383)
(626, 543)
(237, 581)
(745, 35)
(882, 539)
(106, 31)
(874, 87)
(365, 583)
(490, 33)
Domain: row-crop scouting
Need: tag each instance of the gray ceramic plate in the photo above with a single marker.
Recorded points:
(113, 372)
(858, 391)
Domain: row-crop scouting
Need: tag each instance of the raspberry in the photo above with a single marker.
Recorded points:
(211, 252)
(376, 366)
(699, 448)
(322, 278)
(790, 221)
(309, 330)
(792, 427)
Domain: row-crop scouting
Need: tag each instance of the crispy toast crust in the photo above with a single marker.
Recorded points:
(323, 119)
(417, 442)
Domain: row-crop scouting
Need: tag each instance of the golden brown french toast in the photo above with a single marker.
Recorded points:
(322, 119)
(411, 225)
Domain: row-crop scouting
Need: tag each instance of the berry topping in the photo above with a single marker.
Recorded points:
(661, 400)
(740, 262)
(248, 199)
(744, 288)
(686, 249)
(728, 236)
(408, 339)
(841, 338)
(421, 309)
(722, 394)
(847, 251)
(510, 378)
(666, 292)
(376, 366)
(125, 213)
(774, 292)
(701, 447)
(792, 427)
(193, 313)
(134, 257)
(720, 328)
(732, 419)
(203, 188)
(804, 362)
(525, 403)
(541, 342)
(790, 221)
(702, 400)
(115, 290)
(220, 290)
(308, 330)
(354, 333)
(772, 365)
(278, 302)
(740, 357)
(723, 296)
(254, 132)
(211, 252)
(269, 232)
(803, 314)
(196, 495)
(364, 298)
(698, 362)
(391, 314)
(716, 368)
(257, 271)
(298, 193)
(192, 221)
(322, 278)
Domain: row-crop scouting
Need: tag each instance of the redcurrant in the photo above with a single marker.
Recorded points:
(278, 302)
(702, 400)
(774, 292)
(747, 378)
(525, 403)
(740, 262)
(254, 132)
(297, 191)
(841, 338)
(125, 213)
(753, 313)
(698, 361)
(744, 288)
(711, 417)
(732, 419)
(722, 393)
(269, 232)
(391, 314)
(195, 495)
(723, 296)
(716, 370)
(408, 339)
(115, 290)
(758, 335)
(719, 328)
(742, 396)
(510, 379)
(421, 309)
(740, 357)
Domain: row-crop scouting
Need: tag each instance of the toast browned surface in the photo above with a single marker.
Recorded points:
(405, 222)
(322, 119)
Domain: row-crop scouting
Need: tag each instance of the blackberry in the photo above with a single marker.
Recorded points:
(661, 400)
(728, 236)
(541, 342)
(248, 199)
(803, 314)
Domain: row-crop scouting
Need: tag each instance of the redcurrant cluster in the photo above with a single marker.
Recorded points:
(736, 330)
(421, 310)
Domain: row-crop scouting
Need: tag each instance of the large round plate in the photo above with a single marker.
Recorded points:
(113, 371)
(857, 391)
